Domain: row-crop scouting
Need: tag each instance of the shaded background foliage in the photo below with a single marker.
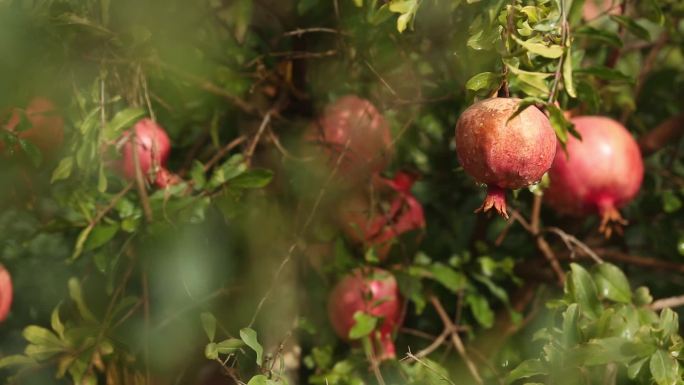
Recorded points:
(250, 241)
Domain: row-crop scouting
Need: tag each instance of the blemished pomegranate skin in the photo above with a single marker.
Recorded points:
(46, 129)
(351, 128)
(373, 292)
(153, 147)
(5, 293)
(501, 152)
(599, 174)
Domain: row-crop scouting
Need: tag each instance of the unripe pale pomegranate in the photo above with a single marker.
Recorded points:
(353, 129)
(153, 147)
(46, 129)
(595, 8)
(5, 293)
(504, 153)
(599, 174)
(379, 225)
(373, 292)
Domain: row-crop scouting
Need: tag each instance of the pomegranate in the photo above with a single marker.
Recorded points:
(374, 227)
(504, 153)
(373, 292)
(46, 129)
(5, 293)
(599, 174)
(353, 129)
(153, 147)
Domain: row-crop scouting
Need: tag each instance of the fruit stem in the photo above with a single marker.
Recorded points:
(496, 198)
(611, 220)
(385, 349)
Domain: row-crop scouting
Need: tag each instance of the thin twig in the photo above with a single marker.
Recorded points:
(430, 368)
(456, 339)
(300, 31)
(572, 243)
(435, 344)
(226, 149)
(257, 137)
(668, 303)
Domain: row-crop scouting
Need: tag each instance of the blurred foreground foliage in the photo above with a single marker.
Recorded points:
(224, 278)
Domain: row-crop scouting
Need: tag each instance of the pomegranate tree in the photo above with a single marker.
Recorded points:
(152, 146)
(504, 152)
(376, 226)
(352, 129)
(599, 174)
(46, 125)
(5, 293)
(375, 293)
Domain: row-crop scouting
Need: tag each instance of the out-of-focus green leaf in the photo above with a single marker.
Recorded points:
(121, 121)
(209, 325)
(663, 368)
(254, 178)
(632, 26)
(612, 283)
(364, 324)
(582, 289)
(527, 369)
(249, 336)
(63, 169)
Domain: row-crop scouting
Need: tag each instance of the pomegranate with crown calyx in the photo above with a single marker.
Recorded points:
(354, 132)
(373, 292)
(504, 152)
(5, 293)
(599, 174)
(153, 147)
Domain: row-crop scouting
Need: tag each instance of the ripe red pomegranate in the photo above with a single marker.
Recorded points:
(353, 128)
(503, 153)
(5, 293)
(373, 292)
(153, 147)
(46, 129)
(599, 174)
(377, 226)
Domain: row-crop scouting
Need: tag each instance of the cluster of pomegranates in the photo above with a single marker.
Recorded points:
(597, 174)
(357, 145)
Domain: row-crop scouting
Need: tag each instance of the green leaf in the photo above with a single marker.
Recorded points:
(31, 151)
(605, 73)
(40, 336)
(527, 369)
(229, 346)
(16, 360)
(101, 234)
(536, 46)
(612, 283)
(481, 310)
(642, 296)
(559, 123)
(671, 202)
(663, 368)
(484, 81)
(450, 278)
(56, 323)
(680, 246)
(601, 352)
(211, 351)
(632, 26)
(197, 175)
(634, 368)
(233, 167)
(63, 169)
(567, 75)
(532, 83)
(571, 333)
(77, 296)
(255, 178)
(260, 379)
(209, 325)
(599, 35)
(669, 323)
(121, 121)
(80, 242)
(582, 290)
(249, 336)
(364, 325)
